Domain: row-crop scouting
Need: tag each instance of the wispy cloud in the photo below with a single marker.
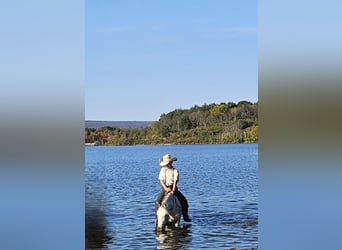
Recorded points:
(159, 41)
(121, 29)
(156, 28)
(117, 29)
(239, 30)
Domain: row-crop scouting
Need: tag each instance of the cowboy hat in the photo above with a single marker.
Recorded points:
(166, 159)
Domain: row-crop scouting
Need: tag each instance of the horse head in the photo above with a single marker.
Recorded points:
(162, 217)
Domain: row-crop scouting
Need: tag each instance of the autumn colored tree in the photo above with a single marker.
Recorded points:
(210, 123)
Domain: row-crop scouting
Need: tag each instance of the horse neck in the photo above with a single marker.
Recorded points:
(172, 202)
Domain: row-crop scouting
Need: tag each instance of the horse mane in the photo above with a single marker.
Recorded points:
(172, 205)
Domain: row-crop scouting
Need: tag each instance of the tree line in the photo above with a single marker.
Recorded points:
(207, 124)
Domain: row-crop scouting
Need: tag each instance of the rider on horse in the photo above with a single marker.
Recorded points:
(168, 177)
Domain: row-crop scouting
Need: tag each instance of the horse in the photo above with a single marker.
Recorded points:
(169, 212)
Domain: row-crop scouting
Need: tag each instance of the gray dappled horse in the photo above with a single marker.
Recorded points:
(169, 212)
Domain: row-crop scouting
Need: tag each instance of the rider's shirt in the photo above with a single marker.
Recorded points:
(169, 175)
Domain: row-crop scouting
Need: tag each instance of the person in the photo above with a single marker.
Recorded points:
(168, 177)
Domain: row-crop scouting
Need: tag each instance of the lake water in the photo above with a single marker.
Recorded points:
(219, 181)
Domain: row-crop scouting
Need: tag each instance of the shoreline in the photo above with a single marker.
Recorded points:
(164, 144)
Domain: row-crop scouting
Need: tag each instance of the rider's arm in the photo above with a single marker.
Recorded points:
(175, 180)
(174, 187)
(162, 182)
(162, 179)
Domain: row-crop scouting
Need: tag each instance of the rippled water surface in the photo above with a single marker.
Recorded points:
(220, 182)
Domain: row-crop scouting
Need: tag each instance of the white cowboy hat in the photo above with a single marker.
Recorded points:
(166, 159)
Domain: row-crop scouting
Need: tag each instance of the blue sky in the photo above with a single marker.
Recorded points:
(145, 58)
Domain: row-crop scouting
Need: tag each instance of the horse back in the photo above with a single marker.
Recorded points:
(172, 204)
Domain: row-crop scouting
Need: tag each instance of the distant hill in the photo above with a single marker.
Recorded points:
(207, 124)
(118, 124)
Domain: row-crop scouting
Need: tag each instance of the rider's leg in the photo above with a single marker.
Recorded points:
(185, 205)
(160, 199)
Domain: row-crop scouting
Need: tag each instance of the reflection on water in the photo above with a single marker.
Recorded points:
(95, 229)
(97, 233)
(174, 238)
